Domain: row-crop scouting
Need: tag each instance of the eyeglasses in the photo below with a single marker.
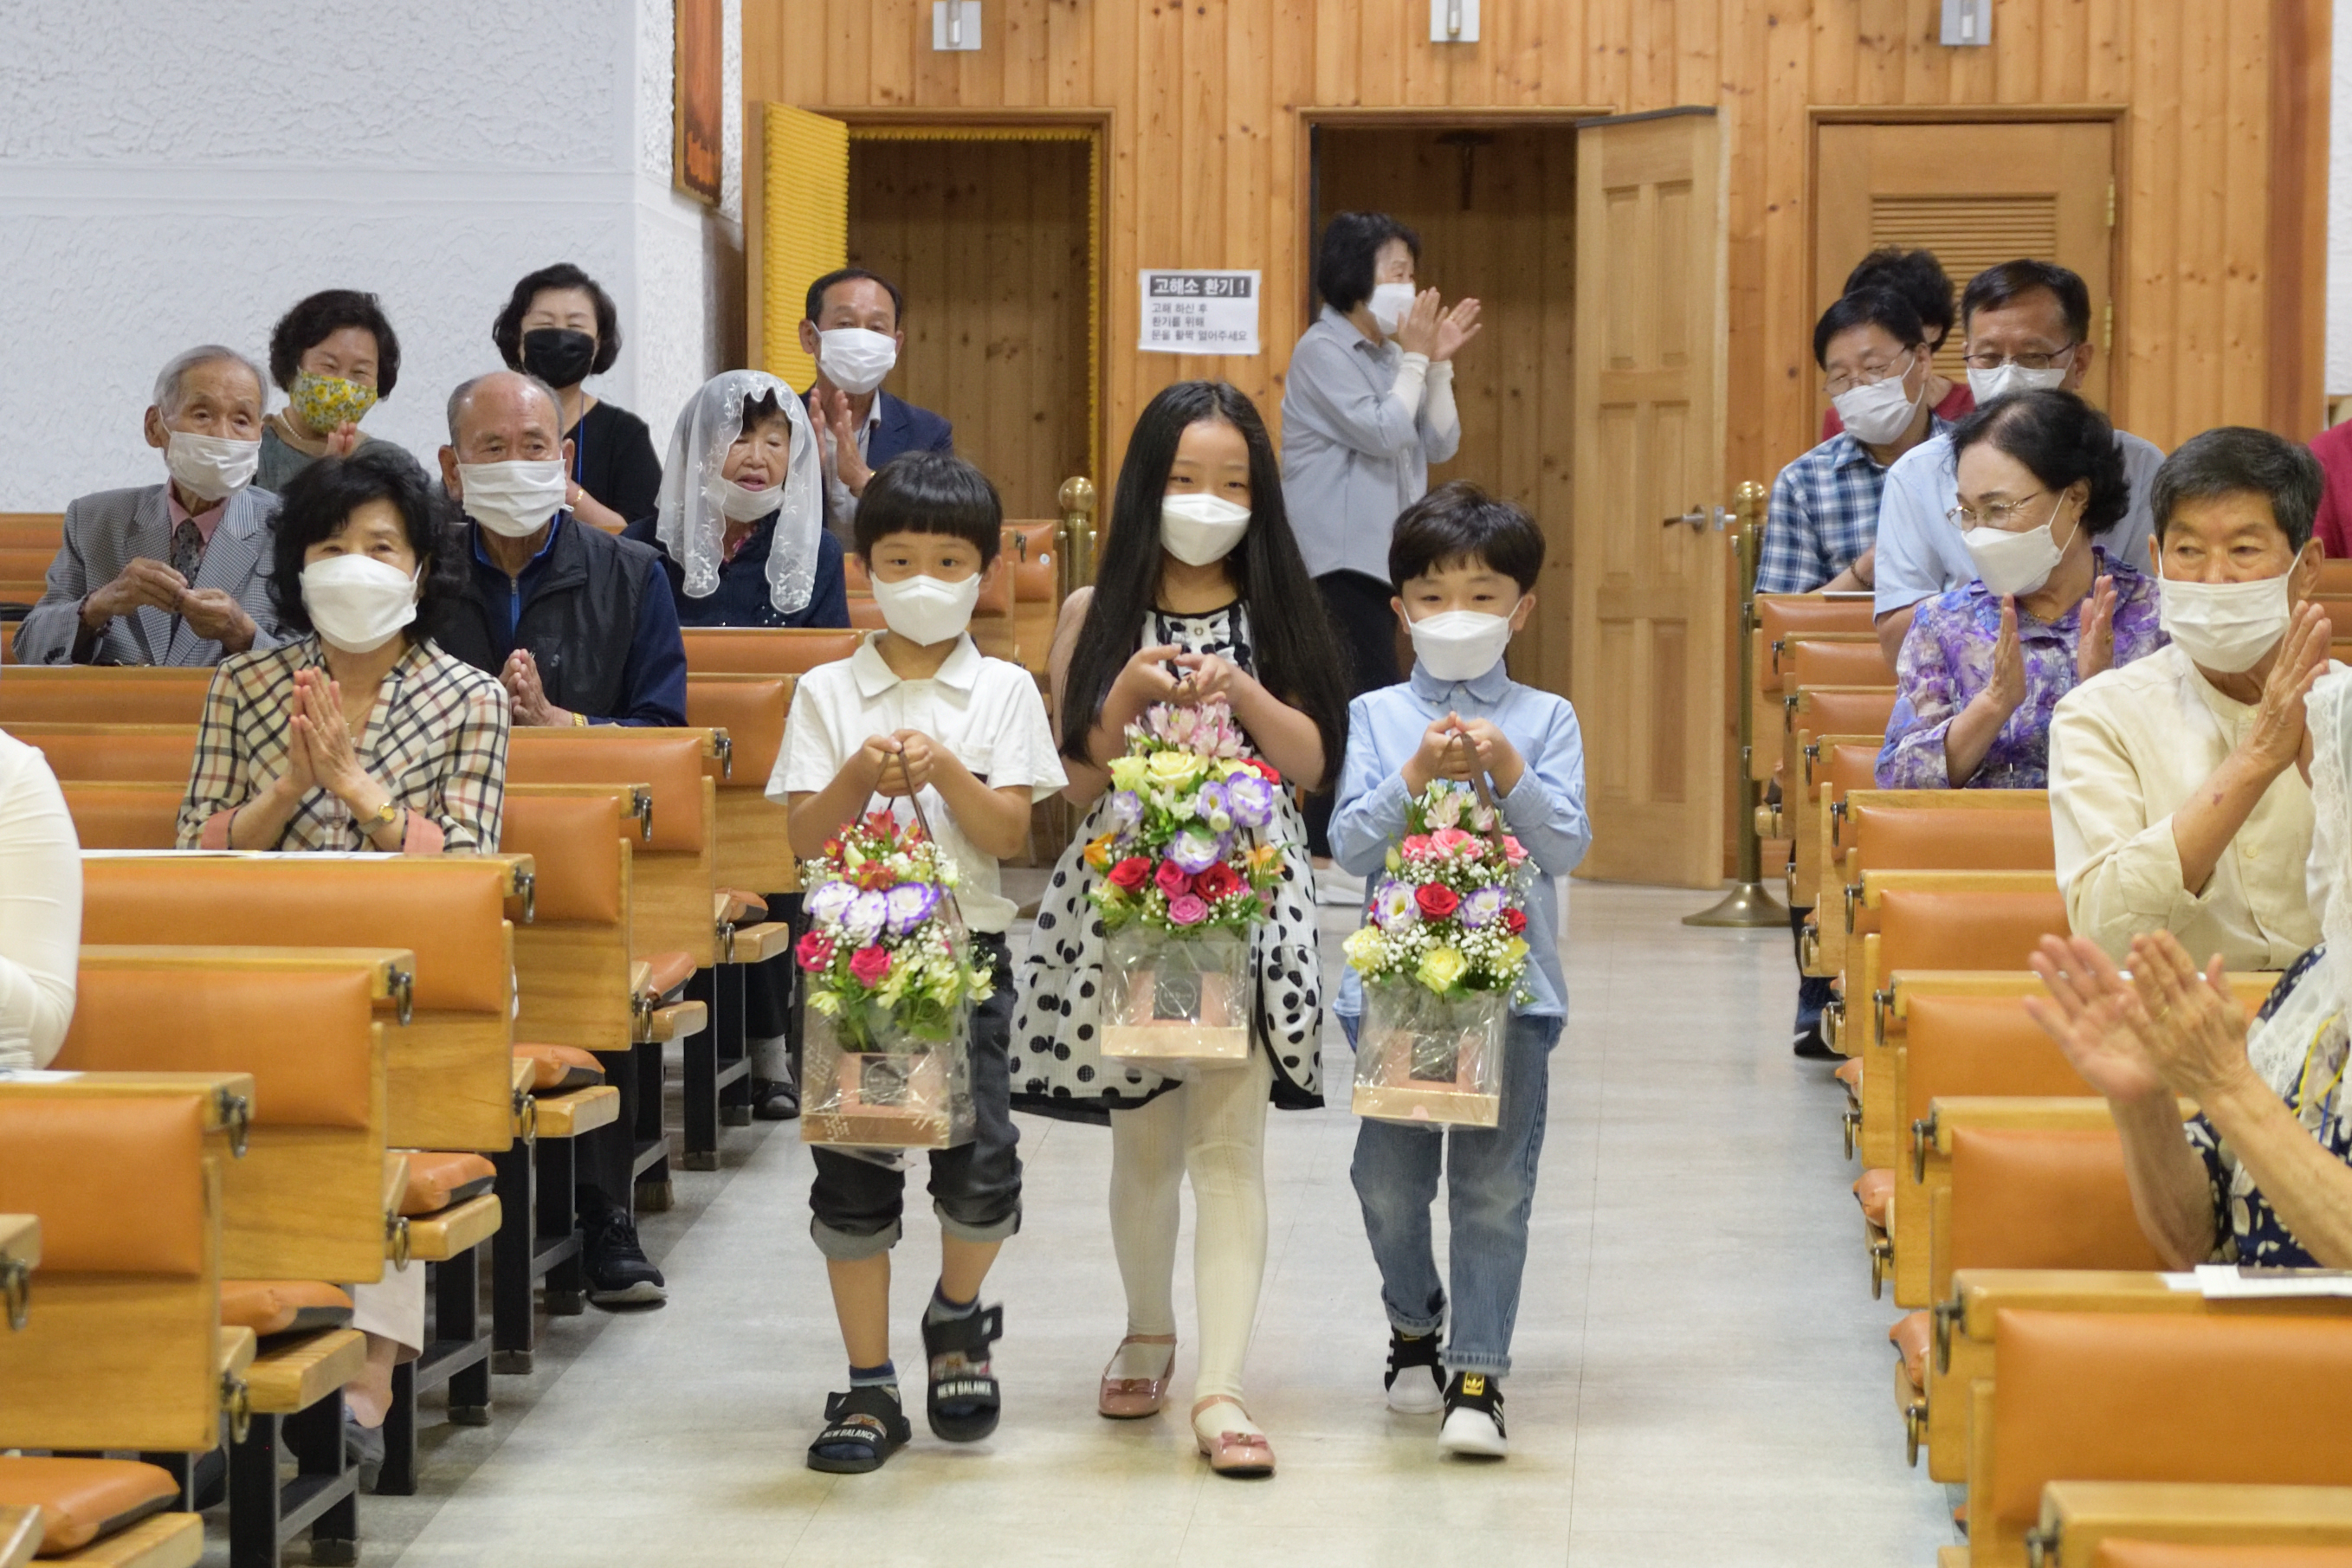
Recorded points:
(1862, 376)
(2000, 515)
(1992, 360)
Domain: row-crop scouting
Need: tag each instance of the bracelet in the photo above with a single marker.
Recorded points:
(579, 719)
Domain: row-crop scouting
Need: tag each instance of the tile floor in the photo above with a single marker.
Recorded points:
(1702, 1378)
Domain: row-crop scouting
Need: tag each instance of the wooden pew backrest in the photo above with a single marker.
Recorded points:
(1845, 659)
(119, 815)
(572, 964)
(84, 694)
(142, 753)
(1964, 928)
(2041, 1198)
(745, 651)
(1977, 1045)
(1779, 616)
(1948, 838)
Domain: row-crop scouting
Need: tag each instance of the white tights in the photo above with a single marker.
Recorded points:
(1214, 1128)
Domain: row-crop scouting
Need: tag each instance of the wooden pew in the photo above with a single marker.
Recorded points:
(20, 1254)
(2116, 1377)
(81, 693)
(1830, 766)
(748, 651)
(2120, 1524)
(1810, 712)
(135, 753)
(1777, 616)
(1035, 551)
(755, 846)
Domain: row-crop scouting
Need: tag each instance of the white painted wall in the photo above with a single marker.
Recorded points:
(171, 175)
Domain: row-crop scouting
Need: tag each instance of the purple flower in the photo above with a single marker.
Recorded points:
(1392, 906)
(864, 916)
(826, 903)
(1250, 799)
(1187, 909)
(1481, 907)
(911, 904)
(1195, 851)
(1126, 810)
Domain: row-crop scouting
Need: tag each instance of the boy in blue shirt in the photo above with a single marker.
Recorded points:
(1465, 566)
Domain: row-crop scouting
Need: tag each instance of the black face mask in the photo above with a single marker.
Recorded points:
(558, 355)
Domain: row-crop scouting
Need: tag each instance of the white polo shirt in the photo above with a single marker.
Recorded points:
(986, 711)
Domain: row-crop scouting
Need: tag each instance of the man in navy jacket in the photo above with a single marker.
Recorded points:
(851, 330)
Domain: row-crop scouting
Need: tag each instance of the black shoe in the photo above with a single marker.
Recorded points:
(618, 1273)
(364, 1451)
(1473, 1417)
(1415, 1381)
(862, 1429)
(774, 1102)
(1812, 1047)
(964, 1400)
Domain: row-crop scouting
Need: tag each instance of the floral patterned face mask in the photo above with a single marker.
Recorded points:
(327, 403)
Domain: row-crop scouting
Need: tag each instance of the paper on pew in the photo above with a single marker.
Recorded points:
(2228, 1282)
(35, 1075)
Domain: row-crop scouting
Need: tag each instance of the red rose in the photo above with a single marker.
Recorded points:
(1173, 880)
(1220, 880)
(1265, 769)
(1514, 921)
(1129, 874)
(1436, 900)
(815, 952)
(868, 964)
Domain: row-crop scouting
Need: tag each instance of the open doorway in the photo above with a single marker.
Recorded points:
(991, 233)
(1495, 210)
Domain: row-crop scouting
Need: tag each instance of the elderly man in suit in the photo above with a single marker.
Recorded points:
(852, 332)
(175, 573)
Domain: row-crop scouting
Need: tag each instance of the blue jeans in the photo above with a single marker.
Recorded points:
(1490, 1184)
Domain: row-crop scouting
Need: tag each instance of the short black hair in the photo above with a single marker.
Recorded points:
(506, 332)
(815, 303)
(2235, 459)
(2060, 440)
(930, 492)
(320, 500)
(1916, 276)
(322, 315)
(1880, 307)
(1351, 245)
(2013, 280)
(1459, 522)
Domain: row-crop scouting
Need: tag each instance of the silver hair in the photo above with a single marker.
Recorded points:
(171, 386)
(466, 390)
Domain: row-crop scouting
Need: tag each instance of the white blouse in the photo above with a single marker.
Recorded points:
(40, 908)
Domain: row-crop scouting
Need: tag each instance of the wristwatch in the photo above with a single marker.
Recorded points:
(383, 817)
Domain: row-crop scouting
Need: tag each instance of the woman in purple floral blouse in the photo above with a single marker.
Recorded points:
(2039, 479)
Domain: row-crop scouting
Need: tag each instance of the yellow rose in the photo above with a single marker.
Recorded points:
(1513, 951)
(1442, 967)
(1175, 769)
(1126, 772)
(1364, 948)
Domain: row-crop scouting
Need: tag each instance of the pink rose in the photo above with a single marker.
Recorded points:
(815, 952)
(1187, 909)
(1448, 839)
(1513, 851)
(1416, 845)
(867, 966)
(1172, 878)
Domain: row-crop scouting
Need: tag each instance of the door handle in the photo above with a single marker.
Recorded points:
(1698, 517)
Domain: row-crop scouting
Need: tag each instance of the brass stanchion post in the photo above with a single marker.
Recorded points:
(1750, 906)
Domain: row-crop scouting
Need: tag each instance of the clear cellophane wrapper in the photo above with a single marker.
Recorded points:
(877, 1089)
(1431, 1059)
(1174, 1003)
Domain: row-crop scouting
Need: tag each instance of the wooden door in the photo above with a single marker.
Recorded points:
(1977, 195)
(1495, 210)
(1650, 617)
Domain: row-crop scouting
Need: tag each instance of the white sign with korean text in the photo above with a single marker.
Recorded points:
(1199, 312)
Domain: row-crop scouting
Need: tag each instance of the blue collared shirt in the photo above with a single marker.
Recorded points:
(1824, 514)
(1544, 811)
(1351, 459)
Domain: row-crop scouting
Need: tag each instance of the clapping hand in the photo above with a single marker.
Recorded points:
(1453, 329)
(2277, 739)
(2095, 644)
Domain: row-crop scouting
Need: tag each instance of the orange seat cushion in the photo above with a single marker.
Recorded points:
(283, 1306)
(1910, 1338)
(1874, 1190)
(669, 971)
(1850, 1074)
(83, 1500)
(741, 908)
(438, 1180)
(2117, 1553)
(560, 1069)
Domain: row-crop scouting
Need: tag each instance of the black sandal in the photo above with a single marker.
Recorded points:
(864, 1418)
(959, 1374)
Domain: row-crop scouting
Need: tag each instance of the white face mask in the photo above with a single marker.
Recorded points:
(924, 610)
(2011, 563)
(357, 602)
(855, 359)
(211, 466)
(1388, 304)
(1460, 645)
(742, 505)
(512, 499)
(1199, 528)
(1986, 385)
(2226, 627)
(1879, 413)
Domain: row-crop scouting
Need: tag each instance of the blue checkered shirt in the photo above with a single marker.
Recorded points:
(1824, 513)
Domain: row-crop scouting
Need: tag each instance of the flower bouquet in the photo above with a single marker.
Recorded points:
(1185, 868)
(1440, 961)
(891, 984)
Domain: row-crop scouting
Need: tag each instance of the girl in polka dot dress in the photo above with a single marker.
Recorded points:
(1200, 580)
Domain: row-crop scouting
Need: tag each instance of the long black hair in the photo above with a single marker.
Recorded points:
(1299, 659)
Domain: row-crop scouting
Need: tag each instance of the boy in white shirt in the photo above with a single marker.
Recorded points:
(972, 735)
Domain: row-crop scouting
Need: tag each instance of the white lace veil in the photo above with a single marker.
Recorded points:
(691, 525)
(2277, 1049)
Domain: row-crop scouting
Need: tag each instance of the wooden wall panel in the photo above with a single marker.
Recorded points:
(1209, 102)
